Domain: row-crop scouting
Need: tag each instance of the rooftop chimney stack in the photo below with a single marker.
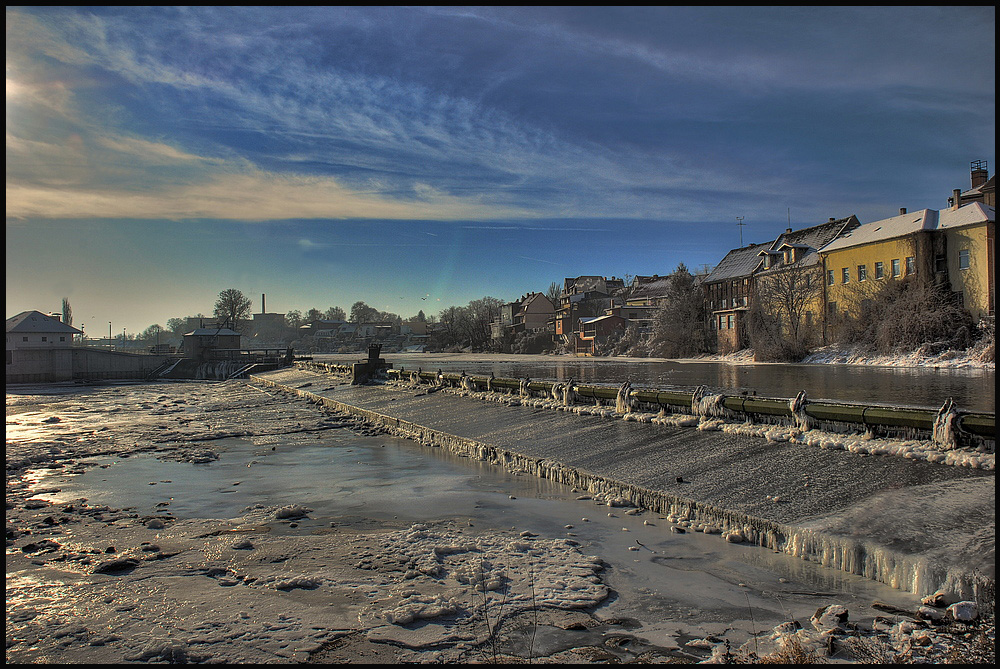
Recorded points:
(902, 210)
(956, 198)
(980, 173)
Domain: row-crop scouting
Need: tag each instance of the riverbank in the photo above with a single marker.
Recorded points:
(277, 580)
(980, 357)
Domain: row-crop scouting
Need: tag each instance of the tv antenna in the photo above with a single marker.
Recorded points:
(739, 222)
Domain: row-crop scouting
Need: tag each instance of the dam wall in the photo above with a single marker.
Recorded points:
(861, 513)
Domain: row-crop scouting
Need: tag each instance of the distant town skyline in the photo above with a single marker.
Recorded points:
(416, 158)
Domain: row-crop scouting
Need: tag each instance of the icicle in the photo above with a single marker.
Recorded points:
(798, 408)
(623, 404)
(556, 391)
(569, 395)
(707, 405)
(945, 428)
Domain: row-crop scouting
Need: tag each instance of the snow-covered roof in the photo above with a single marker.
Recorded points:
(737, 263)
(652, 287)
(970, 214)
(36, 321)
(917, 221)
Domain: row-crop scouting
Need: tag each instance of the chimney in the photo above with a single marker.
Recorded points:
(902, 210)
(980, 173)
(832, 219)
(956, 198)
(788, 231)
(262, 309)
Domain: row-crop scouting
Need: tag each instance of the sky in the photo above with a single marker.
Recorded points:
(416, 158)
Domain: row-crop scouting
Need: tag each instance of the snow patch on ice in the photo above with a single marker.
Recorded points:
(450, 573)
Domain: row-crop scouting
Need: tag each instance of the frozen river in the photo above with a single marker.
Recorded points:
(972, 389)
(178, 468)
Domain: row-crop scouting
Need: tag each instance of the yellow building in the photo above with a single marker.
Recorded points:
(952, 247)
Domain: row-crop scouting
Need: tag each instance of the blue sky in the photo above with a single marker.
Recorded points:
(419, 158)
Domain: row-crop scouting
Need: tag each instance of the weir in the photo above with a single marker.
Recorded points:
(913, 521)
(949, 425)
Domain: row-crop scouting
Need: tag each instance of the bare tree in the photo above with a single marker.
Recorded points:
(554, 292)
(233, 307)
(680, 324)
(792, 298)
(335, 314)
(906, 315)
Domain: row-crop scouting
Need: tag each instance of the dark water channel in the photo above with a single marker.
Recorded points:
(971, 389)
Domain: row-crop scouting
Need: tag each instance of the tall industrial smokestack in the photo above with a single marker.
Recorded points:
(263, 310)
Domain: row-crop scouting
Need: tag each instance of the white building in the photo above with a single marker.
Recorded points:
(39, 348)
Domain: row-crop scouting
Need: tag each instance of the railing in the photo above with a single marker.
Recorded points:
(981, 425)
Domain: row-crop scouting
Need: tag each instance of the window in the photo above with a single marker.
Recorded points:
(845, 275)
(62, 338)
(831, 308)
(963, 259)
(940, 264)
(24, 339)
(911, 265)
(45, 338)
(862, 272)
(879, 270)
(729, 322)
(895, 267)
(831, 278)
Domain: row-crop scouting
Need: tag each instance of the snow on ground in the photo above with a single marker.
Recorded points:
(974, 358)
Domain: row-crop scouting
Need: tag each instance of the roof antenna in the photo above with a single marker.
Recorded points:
(739, 222)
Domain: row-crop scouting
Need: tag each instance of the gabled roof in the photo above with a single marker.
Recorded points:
(738, 263)
(36, 321)
(652, 285)
(808, 241)
(818, 235)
